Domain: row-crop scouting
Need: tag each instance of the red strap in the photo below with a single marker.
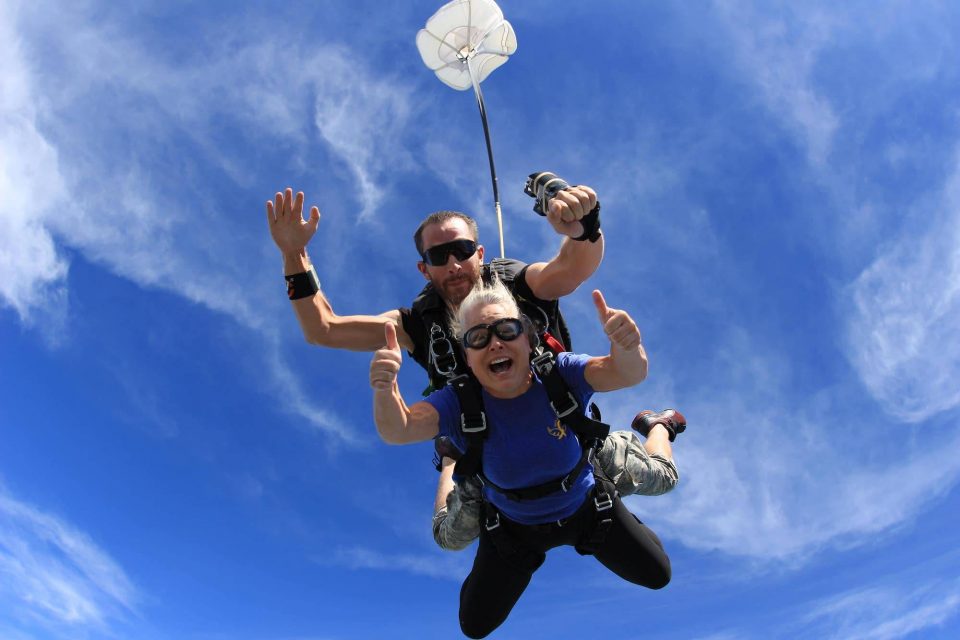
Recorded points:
(552, 343)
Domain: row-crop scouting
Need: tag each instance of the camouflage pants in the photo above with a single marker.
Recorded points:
(622, 458)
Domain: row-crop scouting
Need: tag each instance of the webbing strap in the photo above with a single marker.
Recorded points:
(473, 423)
(566, 407)
(604, 494)
(591, 433)
(546, 488)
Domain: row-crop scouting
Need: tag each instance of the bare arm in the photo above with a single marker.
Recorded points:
(320, 325)
(577, 260)
(626, 365)
(444, 484)
(396, 422)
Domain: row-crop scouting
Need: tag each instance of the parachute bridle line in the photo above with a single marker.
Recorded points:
(474, 56)
(493, 168)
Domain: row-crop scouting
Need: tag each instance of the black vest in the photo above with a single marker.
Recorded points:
(429, 309)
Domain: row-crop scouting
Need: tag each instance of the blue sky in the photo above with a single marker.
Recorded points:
(781, 193)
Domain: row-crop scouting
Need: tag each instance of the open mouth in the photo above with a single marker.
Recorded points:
(501, 365)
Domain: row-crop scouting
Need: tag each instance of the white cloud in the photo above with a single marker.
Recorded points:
(885, 613)
(54, 576)
(904, 324)
(768, 475)
(104, 177)
(296, 398)
(359, 115)
(441, 565)
(31, 190)
(778, 54)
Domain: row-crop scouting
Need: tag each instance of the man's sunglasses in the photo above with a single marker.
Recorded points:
(478, 337)
(461, 249)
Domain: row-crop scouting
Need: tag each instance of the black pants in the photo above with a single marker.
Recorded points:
(507, 558)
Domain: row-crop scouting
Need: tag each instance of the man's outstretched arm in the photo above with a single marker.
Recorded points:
(577, 259)
(319, 323)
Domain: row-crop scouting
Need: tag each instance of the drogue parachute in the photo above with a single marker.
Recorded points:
(463, 42)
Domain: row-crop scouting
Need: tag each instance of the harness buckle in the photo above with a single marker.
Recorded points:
(603, 504)
(493, 521)
(543, 363)
(441, 352)
(564, 412)
(477, 422)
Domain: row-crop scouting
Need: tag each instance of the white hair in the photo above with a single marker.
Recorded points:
(482, 295)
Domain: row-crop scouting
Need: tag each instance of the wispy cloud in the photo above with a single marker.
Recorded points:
(297, 399)
(53, 575)
(903, 335)
(98, 176)
(445, 566)
(778, 52)
(360, 116)
(31, 188)
(885, 613)
(766, 475)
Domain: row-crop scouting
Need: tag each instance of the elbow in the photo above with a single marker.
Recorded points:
(637, 376)
(318, 336)
(388, 436)
(642, 371)
(392, 436)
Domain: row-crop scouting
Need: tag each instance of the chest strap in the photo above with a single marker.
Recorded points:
(546, 488)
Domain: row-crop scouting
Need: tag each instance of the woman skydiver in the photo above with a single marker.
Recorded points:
(525, 450)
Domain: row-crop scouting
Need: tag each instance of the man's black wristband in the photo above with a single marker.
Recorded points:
(302, 285)
(591, 226)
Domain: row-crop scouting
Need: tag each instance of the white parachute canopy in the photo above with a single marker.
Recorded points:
(465, 40)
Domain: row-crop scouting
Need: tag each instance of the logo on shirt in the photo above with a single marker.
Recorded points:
(557, 430)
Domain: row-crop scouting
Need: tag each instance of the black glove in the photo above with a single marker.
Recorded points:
(543, 186)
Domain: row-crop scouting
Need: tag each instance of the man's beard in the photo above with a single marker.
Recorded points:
(452, 290)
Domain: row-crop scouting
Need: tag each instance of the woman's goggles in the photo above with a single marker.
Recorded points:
(506, 329)
(461, 249)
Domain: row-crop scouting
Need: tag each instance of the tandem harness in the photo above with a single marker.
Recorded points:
(442, 360)
(589, 431)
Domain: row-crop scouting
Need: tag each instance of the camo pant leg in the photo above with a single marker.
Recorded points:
(632, 469)
(458, 524)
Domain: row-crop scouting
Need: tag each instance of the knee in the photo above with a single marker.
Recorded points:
(475, 628)
(661, 577)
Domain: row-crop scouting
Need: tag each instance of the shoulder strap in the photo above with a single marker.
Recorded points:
(590, 432)
(438, 356)
(473, 424)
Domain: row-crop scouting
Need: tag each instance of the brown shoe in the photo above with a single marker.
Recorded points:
(672, 419)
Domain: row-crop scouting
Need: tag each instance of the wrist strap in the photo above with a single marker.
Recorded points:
(591, 226)
(302, 285)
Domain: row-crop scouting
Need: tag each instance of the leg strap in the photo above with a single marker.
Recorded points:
(506, 545)
(604, 493)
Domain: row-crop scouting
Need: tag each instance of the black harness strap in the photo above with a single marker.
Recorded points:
(439, 355)
(604, 493)
(473, 423)
(591, 433)
(545, 489)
